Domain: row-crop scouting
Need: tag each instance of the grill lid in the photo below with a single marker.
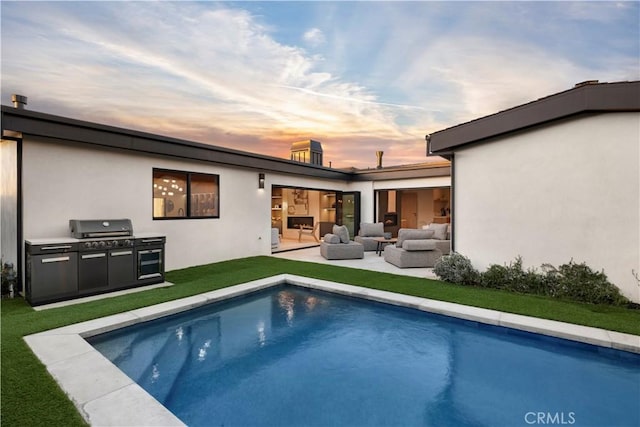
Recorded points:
(91, 228)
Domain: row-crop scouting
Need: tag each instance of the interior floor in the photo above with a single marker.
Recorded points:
(294, 244)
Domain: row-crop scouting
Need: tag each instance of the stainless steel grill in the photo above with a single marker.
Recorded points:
(101, 255)
(96, 228)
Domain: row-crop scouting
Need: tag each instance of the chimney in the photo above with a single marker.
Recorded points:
(19, 101)
(379, 156)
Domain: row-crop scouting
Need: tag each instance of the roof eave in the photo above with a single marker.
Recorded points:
(34, 123)
(604, 97)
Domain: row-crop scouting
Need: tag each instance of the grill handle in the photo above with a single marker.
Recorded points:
(106, 234)
(149, 276)
(151, 240)
(90, 256)
(53, 248)
(123, 253)
(58, 259)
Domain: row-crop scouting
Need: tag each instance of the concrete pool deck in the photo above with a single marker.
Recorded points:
(96, 386)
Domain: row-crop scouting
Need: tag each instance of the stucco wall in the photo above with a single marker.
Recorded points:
(8, 201)
(65, 181)
(569, 190)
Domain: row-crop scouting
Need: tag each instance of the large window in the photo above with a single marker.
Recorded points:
(413, 208)
(185, 195)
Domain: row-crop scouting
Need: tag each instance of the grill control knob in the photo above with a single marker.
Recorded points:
(87, 245)
(94, 245)
(127, 242)
(102, 244)
(114, 244)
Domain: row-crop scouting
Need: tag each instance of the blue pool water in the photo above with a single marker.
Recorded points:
(292, 357)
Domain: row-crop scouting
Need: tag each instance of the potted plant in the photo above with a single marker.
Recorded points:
(8, 279)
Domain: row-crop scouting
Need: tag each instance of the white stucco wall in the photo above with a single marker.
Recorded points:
(398, 184)
(63, 182)
(8, 202)
(569, 190)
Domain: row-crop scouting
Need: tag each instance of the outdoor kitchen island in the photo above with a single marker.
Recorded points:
(100, 256)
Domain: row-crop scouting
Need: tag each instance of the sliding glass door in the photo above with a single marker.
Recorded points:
(348, 211)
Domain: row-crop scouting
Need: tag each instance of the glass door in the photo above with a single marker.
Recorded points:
(348, 211)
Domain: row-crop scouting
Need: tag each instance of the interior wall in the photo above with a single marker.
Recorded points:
(409, 209)
(313, 210)
(425, 207)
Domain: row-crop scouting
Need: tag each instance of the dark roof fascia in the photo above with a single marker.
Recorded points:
(601, 97)
(420, 171)
(34, 123)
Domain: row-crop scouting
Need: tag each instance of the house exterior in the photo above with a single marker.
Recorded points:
(554, 180)
(56, 168)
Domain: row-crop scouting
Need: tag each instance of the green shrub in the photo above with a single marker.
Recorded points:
(579, 282)
(513, 278)
(456, 268)
(574, 281)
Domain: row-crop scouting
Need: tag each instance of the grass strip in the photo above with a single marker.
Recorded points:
(30, 396)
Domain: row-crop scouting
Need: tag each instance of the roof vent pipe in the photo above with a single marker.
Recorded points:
(19, 101)
(379, 156)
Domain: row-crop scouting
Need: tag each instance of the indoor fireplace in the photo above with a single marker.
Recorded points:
(391, 219)
(297, 221)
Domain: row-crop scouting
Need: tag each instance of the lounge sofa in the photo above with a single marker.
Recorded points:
(368, 233)
(415, 248)
(441, 236)
(337, 245)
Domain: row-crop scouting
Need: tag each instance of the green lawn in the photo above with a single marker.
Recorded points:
(30, 397)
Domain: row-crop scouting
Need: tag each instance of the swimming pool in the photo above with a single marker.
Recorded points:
(292, 356)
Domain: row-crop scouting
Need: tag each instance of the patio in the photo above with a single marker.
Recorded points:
(371, 261)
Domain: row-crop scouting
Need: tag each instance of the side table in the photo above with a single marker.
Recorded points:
(382, 242)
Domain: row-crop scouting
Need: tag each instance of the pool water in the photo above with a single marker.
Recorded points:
(293, 357)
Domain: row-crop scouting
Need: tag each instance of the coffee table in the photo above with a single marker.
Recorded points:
(382, 242)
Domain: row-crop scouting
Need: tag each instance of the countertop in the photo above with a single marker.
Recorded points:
(70, 240)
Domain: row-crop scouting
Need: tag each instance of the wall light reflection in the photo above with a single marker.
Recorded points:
(202, 353)
(262, 337)
(155, 373)
(287, 302)
(179, 333)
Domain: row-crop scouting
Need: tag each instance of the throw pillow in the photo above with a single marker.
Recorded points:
(341, 231)
(419, 245)
(368, 229)
(412, 234)
(331, 238)
(439, 231)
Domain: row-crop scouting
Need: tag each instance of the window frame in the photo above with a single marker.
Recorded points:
(188, 194)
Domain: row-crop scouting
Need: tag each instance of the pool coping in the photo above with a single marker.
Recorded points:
(96, 386)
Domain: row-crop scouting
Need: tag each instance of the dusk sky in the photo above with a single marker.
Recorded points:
(356, 76)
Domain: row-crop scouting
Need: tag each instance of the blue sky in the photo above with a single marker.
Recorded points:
(357, 76)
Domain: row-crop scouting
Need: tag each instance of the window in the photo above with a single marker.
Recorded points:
(185, 195)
